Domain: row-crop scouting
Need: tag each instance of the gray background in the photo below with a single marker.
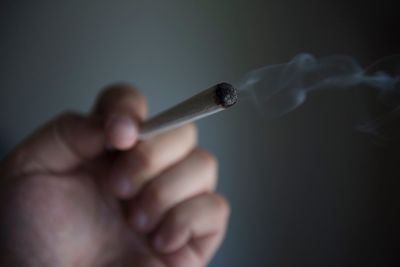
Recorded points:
(306, 189)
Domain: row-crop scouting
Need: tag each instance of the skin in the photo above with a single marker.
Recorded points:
(83, 191)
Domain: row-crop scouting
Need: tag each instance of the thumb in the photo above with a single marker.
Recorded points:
(70, 139)
(61, 145)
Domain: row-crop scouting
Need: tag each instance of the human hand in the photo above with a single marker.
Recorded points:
(68, 201)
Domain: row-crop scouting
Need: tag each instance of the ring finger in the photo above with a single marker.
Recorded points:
(194, 175)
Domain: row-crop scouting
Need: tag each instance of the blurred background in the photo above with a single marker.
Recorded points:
(306, 189)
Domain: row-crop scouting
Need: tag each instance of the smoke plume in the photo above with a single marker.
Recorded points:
(279, 89)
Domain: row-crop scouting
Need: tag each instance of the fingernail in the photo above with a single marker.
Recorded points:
(123, 186)
(140, 220)
(122, 130)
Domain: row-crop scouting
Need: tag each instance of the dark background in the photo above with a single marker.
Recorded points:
(306, 189)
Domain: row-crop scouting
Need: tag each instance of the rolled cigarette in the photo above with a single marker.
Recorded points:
(210, 101)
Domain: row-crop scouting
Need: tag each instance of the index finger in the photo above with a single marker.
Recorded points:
(122, 108)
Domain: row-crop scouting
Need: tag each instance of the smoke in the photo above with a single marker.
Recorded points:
(279, 89)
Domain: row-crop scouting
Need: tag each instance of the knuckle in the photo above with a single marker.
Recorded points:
(146, 157)
(157, 194)
(117, 90)
(178, 218)
(115, 96)
(222, 204)
(139, 98)
(209, 161)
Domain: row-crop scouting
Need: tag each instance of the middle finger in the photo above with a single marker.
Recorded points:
(149, 158)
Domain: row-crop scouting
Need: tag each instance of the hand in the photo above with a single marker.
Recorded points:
(66, 200)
